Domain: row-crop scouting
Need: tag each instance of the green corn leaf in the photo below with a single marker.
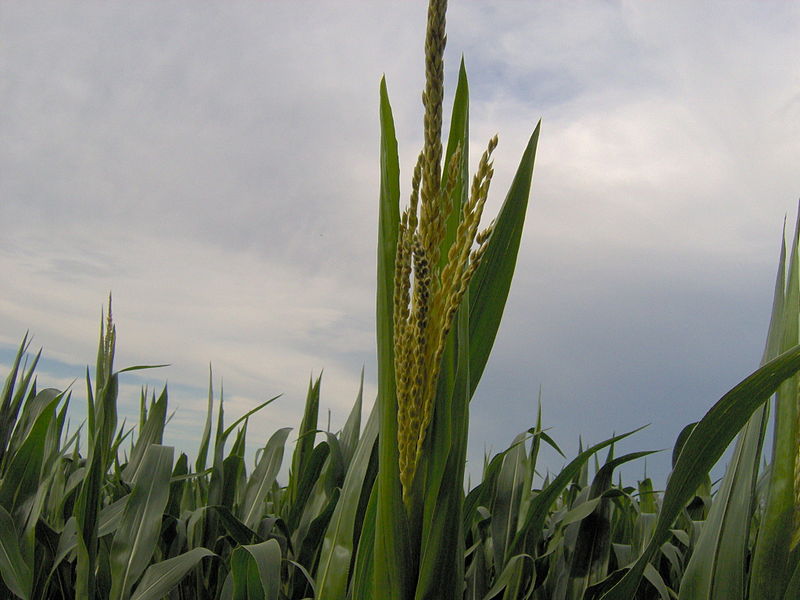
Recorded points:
(392, 554)
(307, 578)
(793, 589)
(307, 481)
(143, 407)
(108, 522)
(240, 532)
(538, 508)
(362, 582)
(136, 538)
(12, 396)
(17, 573)
(246, 415)
(152, 432)
(337, 546)
(22, 479)
(483, 493)
(305, 440)
(233, 469)
(478, 572)
(457, 138)
(352, 427)
(202, 452)
(771, 560)
(579, 511)
(142, 368)
(217, 481)
(312, 529)
(217, 475)
(509, 578)
(655, 579)
(30, 411)
(317, 506)
(177, 484)
(716, 570)
(592, 553)
(256, 571)
(160, 578)
(508, 496)
(263, 478)
(705, 445)
(490, 285)
(111, 516)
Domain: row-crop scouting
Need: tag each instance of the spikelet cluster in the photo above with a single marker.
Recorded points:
(430, 279)
(427, 294)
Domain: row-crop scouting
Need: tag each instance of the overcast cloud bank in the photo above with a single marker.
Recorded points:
(215, 166)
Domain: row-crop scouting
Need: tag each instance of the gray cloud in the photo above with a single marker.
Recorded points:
(216, 166)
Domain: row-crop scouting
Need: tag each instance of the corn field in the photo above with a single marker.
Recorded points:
(379, 510)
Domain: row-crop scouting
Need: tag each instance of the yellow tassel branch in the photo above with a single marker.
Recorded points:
(428, 290)
(427, 296)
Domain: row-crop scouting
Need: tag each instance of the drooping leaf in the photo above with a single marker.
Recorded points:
(256, 571)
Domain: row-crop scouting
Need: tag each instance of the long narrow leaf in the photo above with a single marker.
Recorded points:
(540, 505)
(771, 560)
(337, 546)
(491, 283)
(17, 574)
(159, 579)
(136, 538)
(705, 445)
(716, 570)
(392, 553)
(263, 478)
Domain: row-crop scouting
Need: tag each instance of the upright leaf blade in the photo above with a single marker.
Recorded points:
(138, 533)
(392, 553)
(491, 283)
(337, 546)
(705, 445)
(263, 478)
(716, 569)
(305, 440)
(772, 565)
(16, 573)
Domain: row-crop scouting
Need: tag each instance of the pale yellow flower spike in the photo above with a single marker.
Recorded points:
(427, 294)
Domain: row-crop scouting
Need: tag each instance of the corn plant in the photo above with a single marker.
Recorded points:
(439, 306)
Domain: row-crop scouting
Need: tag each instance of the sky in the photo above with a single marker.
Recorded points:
(215, 167)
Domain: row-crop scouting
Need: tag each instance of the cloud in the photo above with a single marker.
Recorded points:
(217, 169)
